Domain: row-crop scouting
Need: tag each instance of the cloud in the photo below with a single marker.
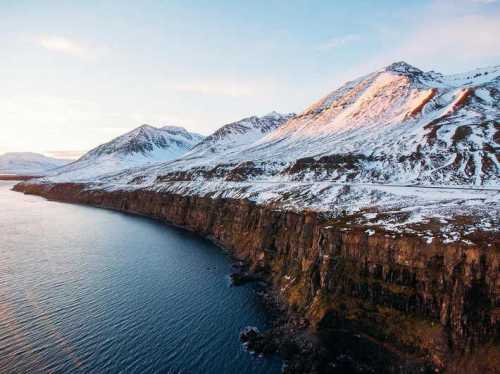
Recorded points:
(70, 155)
(66, 46)
(217, 89)
(444, 37)
(338, 42)
(472, 38)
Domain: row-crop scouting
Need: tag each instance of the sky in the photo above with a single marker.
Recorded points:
(74, 74)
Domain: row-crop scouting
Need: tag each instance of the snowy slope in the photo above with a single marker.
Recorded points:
(396, 125)
(141, 146)
(27, 163)
(235, 136)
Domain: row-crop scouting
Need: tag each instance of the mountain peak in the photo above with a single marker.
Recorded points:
(143, 145)
(148, 142)
(276, 115)
(242, 132)
(176, 129)
(402, 67)
(144, 127)
(140, 131)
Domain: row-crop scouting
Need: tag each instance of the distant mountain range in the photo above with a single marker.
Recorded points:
(397, 125)
(27, 163)
(147, 145)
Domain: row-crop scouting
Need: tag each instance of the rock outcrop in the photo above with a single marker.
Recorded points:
(425, 303)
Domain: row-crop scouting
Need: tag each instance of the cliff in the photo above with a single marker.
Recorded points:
(402, 296)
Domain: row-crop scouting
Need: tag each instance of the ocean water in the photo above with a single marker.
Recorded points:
(94, 291)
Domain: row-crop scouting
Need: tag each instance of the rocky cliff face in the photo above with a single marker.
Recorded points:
(436, 302)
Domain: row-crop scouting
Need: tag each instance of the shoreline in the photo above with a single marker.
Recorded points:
(13, 177)
(308, 324)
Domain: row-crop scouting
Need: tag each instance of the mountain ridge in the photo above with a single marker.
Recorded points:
(395, 125)
(143, 145)
(241, 132)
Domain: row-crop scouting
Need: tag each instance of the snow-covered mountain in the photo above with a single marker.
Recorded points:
(240, 133)
(355, 151)
(396, 125)
(27, 163)
(230, 138)
(233, 137)
(157, 144)
(141, 146)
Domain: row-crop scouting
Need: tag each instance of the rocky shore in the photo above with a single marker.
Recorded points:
(343, 299)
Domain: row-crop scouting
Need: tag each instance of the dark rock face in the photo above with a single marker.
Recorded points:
(238, 278)
(257, 342)
(348, 164)
(404, 300)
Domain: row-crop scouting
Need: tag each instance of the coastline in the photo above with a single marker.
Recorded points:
(13, 177)
(328, 284)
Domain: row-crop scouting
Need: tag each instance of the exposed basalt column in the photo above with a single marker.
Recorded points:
(437, 300)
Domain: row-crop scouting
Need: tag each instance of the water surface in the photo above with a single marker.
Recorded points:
(94, 291)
